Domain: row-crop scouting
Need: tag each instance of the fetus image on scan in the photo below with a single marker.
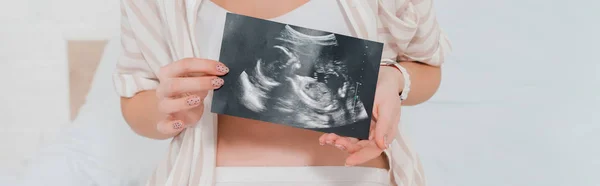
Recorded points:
(297, 76)
(299, 81)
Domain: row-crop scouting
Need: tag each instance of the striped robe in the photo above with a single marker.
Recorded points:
(157, 32)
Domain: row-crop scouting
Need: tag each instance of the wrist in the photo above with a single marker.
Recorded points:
(403, 80)
(395, 76)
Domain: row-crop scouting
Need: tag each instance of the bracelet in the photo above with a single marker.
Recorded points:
(406, 89)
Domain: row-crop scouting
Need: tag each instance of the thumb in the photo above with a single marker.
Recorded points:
(382, 128)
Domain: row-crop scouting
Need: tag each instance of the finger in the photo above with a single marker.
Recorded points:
(328, 138)
(352, 140)
(169, 106)
(169, 126)
(384, 124)
(393, 131)
(192, 118)
(201, 94)
(375, 113)
(347, 144)
(193, 65)
(176, 86)
(322, 139)
(366, 153)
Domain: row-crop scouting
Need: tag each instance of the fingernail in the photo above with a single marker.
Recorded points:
(321, 143)
(329, 142)
(193, 101)
(217, 82)
(177, 125)
(345, 164)
(340, 147)
(222, 68)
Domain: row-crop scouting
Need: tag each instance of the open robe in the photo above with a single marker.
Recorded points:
(158, 32)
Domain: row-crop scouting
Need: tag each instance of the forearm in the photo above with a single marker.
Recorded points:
(142, 115)
(425, 81)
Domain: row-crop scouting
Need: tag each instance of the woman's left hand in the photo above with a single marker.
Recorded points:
(384, 123)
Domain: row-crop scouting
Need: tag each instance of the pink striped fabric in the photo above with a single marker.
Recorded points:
(156, 33)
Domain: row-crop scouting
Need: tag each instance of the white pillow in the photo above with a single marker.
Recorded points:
(99, 148)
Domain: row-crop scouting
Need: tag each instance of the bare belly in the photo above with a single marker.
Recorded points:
(245, 142)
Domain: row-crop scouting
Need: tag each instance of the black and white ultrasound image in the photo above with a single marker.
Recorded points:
(296, 76)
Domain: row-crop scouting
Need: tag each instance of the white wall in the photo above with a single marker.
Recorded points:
(520, 101)
(519, 105)
(84, 19)
(33, 67)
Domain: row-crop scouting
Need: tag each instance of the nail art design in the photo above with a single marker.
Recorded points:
(177, 125)
(217, 82)
(222, 68)
(193, 101)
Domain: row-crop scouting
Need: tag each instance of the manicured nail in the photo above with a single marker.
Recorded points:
(217, 82)
(177, 125)
(222, 68)
(340, 147)
(193, 101)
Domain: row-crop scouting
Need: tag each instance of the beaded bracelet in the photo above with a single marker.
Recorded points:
(406, 89)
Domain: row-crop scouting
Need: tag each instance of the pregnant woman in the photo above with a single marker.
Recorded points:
(169, 68)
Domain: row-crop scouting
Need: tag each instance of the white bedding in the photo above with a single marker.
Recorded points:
(99, 149)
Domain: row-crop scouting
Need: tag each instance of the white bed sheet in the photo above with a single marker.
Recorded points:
(99, 149)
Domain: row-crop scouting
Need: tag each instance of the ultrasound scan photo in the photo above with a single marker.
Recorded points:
(297, 76)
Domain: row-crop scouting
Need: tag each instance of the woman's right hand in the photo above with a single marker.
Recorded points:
(183, 86)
